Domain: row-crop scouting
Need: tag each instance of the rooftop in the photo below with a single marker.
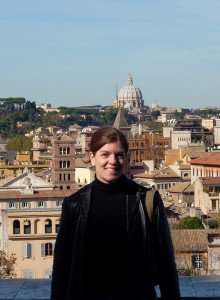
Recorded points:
(182, 187)
(207, 158)
(28, 289)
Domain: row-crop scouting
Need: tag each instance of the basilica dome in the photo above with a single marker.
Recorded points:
(129, 97)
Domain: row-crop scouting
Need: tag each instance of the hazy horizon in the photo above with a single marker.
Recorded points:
(73, 54)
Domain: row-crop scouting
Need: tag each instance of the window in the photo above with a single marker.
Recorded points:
(68, 187)
(16, 227)
(40, 204)
(214, 204)
(48, 226)
(27, 250)
(12, 204)
(57, 226)
(27, 274)
(25, 204)
(197, 261)
(47, 249)
(27, 227)
(58, 203)
(63, 150)
(64, 164)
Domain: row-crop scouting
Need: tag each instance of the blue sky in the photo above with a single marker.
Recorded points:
(76, 52)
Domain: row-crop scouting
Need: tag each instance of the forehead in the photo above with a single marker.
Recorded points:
(112, 147)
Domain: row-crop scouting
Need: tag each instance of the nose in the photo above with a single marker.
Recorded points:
(113, 159)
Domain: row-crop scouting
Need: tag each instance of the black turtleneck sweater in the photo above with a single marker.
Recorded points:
(106, 239)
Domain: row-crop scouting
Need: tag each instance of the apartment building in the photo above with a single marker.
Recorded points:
(31, 209)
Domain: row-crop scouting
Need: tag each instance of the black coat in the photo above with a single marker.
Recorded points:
(146, 266)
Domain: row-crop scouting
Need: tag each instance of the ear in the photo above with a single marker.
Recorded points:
(92, 158)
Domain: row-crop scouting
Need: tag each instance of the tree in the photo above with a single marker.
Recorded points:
(191, 223)
(7, 265)
(20, 143)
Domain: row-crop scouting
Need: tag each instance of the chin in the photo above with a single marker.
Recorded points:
(112, 178)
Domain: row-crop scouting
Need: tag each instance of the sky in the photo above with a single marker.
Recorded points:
(72, 53)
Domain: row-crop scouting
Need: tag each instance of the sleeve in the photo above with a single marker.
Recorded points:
(166, 266)
(62, 252)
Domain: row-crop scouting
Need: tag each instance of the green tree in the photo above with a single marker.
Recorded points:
(191, 223)
(7, 265)
(20, 143)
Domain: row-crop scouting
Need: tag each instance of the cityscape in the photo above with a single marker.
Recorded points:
(173, 150)
(147, 68)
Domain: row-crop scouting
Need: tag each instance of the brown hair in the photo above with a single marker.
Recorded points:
(107, 135)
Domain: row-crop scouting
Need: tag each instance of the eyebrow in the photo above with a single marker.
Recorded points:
(106, 151)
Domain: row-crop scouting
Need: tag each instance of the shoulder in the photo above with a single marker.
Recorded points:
(134, 187)
(74, 198)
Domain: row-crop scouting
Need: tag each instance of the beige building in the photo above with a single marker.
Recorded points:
(31, 212)
(191, 251)
(207, 194)
(84, 172)
(182, 193)
(214, 252)
(180, 139)
(162, 179)
(208, 123)
(217, 135)
(167, 131)
(207, 165)
(41, 147)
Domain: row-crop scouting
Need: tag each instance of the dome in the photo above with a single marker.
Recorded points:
(129, 91)
(129, 96)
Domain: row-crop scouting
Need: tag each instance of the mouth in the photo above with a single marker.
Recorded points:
(113, 169)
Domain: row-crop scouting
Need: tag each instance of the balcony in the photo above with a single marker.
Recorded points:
(197, 288)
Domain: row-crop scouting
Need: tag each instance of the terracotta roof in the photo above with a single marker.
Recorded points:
(190, 240)
(210, 180)
(208, 158)
(5, 195)
(182, 187)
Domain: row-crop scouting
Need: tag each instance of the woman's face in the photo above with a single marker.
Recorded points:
(109, 162)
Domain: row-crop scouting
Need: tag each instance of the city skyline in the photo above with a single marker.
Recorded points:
(75, 54)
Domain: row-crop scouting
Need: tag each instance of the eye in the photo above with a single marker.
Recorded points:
(104, 154)
(121, 155)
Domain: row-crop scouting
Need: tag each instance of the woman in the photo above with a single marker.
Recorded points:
(107, 248)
